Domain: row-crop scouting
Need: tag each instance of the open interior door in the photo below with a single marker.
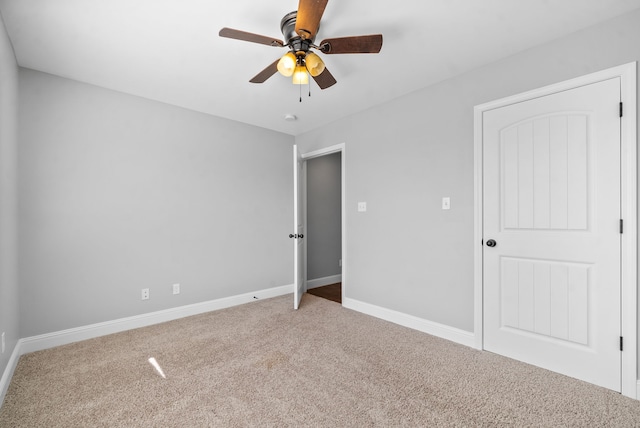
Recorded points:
(298, 234)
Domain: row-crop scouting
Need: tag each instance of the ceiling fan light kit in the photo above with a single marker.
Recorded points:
(300, 76)
(287, 64)
(299, 29)
(314, 64)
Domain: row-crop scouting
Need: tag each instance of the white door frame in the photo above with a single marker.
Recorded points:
(629, 307)
(338, 148)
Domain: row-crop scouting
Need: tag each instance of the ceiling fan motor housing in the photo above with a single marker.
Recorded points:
(292, 39)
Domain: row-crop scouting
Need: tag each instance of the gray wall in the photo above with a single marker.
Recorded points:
(405, 253)
(118, 193)
(324, 208)
(8, 198)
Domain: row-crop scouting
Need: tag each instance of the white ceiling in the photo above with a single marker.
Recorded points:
(169, 50)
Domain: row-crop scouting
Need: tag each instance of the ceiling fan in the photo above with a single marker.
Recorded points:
(299, 29)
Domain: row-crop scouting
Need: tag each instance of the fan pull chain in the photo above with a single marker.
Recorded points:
(300, 90)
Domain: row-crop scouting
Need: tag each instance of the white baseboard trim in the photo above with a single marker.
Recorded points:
(45, 341)
(321, 282)
(435, 329)
(5, 380)
(50, 340)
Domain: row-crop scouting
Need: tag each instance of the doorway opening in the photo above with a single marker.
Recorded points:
(323, 184)
(323, 208)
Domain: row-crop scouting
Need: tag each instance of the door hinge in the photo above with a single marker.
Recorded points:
(620, 109)
(621, 226)
(621, 343)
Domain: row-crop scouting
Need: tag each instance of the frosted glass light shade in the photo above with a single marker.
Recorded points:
(314, 64)
(287, 64)
(300, 76)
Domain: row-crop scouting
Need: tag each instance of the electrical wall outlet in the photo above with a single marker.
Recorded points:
(340, 263)
(3, 342)
(176, 288)
(145, 294)
(362, 207)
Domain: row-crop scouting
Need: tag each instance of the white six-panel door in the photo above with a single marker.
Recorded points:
(551, 202)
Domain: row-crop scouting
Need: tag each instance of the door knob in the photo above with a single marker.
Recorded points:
(491, 243)
(291, 235)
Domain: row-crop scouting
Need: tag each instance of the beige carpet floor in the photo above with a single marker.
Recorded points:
(263, 364)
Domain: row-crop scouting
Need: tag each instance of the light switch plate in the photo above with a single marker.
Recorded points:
(446, 203)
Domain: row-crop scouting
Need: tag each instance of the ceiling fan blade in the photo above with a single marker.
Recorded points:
(354, 44)
(266, 73)
(325, 79)
(249, 37)
(309, 15)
